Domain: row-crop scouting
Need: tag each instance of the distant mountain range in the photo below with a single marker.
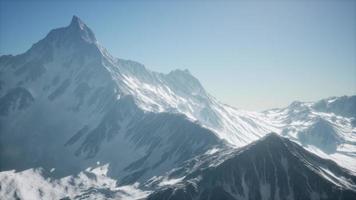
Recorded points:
(78, 123)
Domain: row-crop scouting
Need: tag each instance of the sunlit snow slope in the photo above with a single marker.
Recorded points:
(70, 70)
(67, 104)
(326, 127)
(92, 183)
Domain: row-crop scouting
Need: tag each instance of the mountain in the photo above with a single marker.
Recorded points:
(271, 168)
(66, 96)
(92, 183)
(326, 127)
(69, 74)
(343, 106)
(67, 107)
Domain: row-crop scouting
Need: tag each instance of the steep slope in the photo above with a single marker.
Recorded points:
(343, 106)
(93, 183)
(180, 92)
(326, 127)
(66, 96)
(271, 168)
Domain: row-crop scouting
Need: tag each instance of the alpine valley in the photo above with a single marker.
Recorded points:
(78, 123)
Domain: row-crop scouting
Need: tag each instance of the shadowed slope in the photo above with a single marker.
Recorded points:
(271, 168)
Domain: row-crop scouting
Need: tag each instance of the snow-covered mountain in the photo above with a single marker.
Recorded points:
(271, 168)
(68, 107)
(326, 127)
(92, 183)
(68, 97)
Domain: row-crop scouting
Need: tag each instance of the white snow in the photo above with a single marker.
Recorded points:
(176, 92)
(166, 182)
(32, 185)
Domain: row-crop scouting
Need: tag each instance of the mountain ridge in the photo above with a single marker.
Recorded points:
(67, 96)
(270, 163)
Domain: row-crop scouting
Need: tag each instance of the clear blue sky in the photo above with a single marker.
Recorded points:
(249, 54)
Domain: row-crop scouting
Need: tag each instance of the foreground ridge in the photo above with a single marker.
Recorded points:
(271, 168)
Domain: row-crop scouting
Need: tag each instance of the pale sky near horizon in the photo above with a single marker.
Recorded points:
(249, 54)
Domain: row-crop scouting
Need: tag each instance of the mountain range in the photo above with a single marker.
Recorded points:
(78, 123)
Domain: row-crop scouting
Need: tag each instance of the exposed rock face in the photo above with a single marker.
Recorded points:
(271, 168)
(70, 111)
(66, 96)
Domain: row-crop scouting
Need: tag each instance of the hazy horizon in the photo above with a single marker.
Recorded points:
(251, 55)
